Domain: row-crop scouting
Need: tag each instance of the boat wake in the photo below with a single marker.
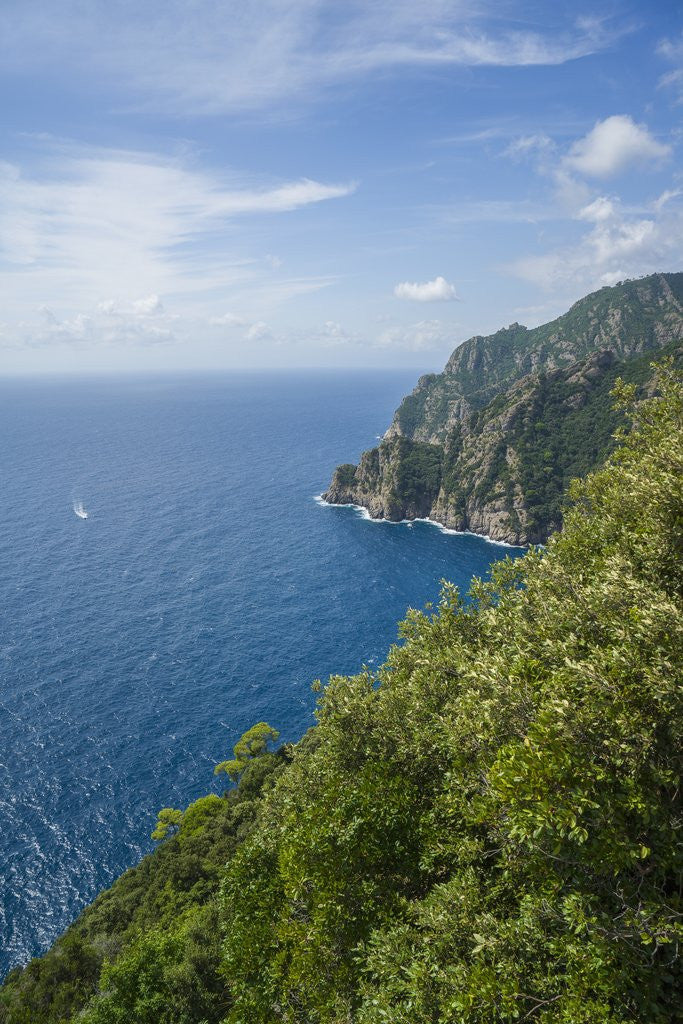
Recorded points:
(80, 510)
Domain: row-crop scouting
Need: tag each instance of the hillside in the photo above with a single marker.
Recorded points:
(491, 443)
(486, 830)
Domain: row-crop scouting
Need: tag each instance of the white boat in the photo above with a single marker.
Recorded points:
(79, 510)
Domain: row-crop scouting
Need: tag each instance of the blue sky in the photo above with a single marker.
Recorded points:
(203, 184)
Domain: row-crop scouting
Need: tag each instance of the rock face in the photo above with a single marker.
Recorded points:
(490, 444)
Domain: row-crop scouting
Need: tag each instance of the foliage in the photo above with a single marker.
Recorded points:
(418, 473)
(162, 895)
(485, 831)
(168, 820)
(568, 429)
(345, 475)
(166, 976)
(251, 744)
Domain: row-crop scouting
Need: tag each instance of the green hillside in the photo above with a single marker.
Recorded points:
(491, 444)
(485, 830)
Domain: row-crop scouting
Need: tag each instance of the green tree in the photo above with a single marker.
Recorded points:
(487, 830)
(169, 821)
(253, 743)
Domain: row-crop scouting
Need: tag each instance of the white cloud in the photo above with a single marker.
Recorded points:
(424, 336)
(620, 243)
(148, 306)
(331, 335)
(672, 50)
(537, 144)
(438, 290)
(106, 325)
(613, 145)
(204, 58)
(116, 231)
(258, 332)
(600, 210)
(672, 78)
(227, 320)
(667, 196)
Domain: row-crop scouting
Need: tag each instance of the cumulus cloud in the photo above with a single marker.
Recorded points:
(333, 334)
(610, 147)
(106, 325)
(613, 145)
(438, 290)
(619, 243)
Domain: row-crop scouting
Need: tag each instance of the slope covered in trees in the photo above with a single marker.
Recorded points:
(485, 830)
(490, 444)
(153, 940)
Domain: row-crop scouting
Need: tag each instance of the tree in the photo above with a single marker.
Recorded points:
(252, 744)
(168, 818)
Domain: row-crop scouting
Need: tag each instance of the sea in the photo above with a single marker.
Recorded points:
(206, 590)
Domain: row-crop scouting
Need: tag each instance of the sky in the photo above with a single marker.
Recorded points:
(194, 185)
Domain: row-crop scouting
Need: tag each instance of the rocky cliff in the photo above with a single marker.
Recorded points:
(491, 443)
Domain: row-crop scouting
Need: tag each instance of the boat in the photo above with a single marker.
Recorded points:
(80, 510)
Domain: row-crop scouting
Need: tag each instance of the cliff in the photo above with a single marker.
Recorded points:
(491, 443)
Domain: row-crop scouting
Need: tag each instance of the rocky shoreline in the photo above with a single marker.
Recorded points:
(321, 499)
(491, 523)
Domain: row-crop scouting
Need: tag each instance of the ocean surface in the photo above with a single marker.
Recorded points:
(205, 591)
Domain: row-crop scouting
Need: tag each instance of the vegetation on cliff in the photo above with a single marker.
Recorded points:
(485, 830)
(516, 415)
(149, 948)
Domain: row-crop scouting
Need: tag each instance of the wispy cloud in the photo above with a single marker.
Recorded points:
(494, 211)
(423, 336)
(209, 58)
(671, 49)
(96, 226)
(537, 144)
(672, 81)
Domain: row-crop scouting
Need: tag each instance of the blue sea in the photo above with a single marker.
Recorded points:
(205, 591)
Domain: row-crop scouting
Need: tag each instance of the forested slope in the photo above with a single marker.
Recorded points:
(485, 830)
(490, 444)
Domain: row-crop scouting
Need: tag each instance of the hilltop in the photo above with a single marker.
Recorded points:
(491, 443)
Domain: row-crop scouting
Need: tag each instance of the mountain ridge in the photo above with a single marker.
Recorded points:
(468, 447)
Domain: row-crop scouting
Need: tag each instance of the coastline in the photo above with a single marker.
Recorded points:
(364, 514)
